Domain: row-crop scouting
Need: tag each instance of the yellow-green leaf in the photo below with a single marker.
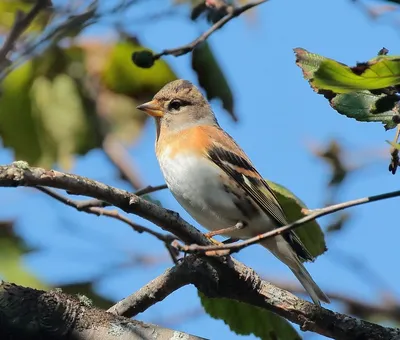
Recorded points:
(310, 233)
(58, 106)
(45, 116)
(9, 8)
(18, 128)
(246, 319)
(328, 74)
(352, 91)
(120, 75)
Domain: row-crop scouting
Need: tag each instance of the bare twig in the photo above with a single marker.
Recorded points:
(95, 210)
(21, 23)
(312, 215)
(178, 51)
(155, 291)
(215, 277)
(122, 161)
(150, 189)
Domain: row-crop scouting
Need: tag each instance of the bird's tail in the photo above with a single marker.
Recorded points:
(282, 250)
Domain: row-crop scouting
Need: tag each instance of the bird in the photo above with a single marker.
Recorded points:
(215, 182)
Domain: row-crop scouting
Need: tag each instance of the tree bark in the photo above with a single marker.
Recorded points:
(30, 314)
(221, 277)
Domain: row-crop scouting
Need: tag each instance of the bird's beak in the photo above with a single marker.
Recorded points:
(152, 108)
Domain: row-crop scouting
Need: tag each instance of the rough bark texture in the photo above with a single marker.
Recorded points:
(216, 277)
(31, 314)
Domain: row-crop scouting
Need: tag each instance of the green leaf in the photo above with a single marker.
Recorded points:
(211, 77)
(18, 128)
(365, 106)
(126, 86)
(310, 233)
(328, 74)
(44, 115)
(8, 9)
(121, 76)
(58, 106)
(12, 250)
(245, 319)
(352, 91)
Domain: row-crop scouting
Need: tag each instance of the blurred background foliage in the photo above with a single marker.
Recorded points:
(64, 94)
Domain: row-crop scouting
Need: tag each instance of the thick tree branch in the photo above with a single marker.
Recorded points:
(31, 314)
(235, 12)
(20, 174)
(236, 281)
(21, 23)
(388, 310)
(214, 276)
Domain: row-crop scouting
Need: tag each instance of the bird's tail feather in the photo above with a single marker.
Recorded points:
(283, 251)
(309, 284)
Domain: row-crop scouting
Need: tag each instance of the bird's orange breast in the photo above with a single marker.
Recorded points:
(195, 140)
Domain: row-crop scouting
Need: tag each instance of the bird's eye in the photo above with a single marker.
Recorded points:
(175, 104)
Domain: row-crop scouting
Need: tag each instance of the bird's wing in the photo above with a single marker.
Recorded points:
(225, 153)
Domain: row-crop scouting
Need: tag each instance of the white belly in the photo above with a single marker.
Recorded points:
(196, 185)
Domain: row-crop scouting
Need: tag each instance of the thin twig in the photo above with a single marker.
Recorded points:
(21, 23)
(95, 210)
(118, 155)
(150, 189)
(178, 51)
(235, 247)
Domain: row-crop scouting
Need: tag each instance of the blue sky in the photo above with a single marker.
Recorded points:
(279, 114)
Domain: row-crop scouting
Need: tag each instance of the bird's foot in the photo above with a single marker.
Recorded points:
(214, 241)
(238, 226)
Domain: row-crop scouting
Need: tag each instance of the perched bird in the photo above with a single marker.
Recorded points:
(214, 180)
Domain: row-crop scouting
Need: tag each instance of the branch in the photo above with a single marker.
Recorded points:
(150, 189)
(215, 277)
(21, 23)
(312, 215)
(235, 12)
(155, 291)
(238, 282)
(20, 174)
(386, 310)
(95, 210)
(31, 314)
(103, 212)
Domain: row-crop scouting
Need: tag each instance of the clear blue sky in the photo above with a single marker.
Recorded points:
(278, 113)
